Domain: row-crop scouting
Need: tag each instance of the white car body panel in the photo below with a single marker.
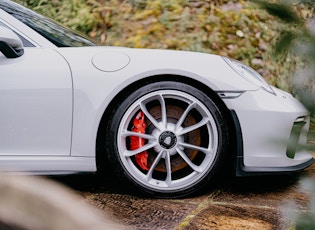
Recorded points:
(261, 149)
(262, 117)
(94, 89)
(64, 98)
(36, 104)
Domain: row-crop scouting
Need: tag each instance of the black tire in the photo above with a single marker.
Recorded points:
(184, 153)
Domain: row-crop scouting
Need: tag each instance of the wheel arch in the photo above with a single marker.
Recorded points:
(102, 156)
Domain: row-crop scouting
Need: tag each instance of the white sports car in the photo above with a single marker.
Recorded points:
(168, 122)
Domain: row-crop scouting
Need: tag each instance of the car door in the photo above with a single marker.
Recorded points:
(35, 104)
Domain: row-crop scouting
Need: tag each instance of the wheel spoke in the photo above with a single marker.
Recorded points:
(163, 111)
(136, 134)
(168, 166)
(206, 151)
(129, 153)
(154, 164)
(149, 116)
(204, 121)
(196, 168)
(184, 115)
(163, 154)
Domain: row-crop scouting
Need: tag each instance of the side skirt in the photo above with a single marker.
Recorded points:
(46, 165)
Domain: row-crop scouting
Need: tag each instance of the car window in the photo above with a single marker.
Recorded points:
(52, 31)
(26, 43)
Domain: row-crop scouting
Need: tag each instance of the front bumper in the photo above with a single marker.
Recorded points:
(270, 132)
(243, 170)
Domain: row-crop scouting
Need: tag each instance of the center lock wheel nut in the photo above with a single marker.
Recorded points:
(167, 140)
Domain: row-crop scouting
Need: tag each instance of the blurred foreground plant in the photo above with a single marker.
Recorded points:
(297, 38)
(34, 203)
(307, 221)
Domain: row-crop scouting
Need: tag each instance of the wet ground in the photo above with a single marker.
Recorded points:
(238, 203)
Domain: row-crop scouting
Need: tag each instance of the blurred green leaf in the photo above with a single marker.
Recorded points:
(284, 43)
(281, 10)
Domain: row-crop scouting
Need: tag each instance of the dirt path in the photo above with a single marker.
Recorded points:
(246, 203)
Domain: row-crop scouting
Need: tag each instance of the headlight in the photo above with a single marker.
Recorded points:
(249, 74)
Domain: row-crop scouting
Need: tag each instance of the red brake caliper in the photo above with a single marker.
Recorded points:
(139, 126)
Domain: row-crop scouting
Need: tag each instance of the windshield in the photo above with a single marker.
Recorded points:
(54, 32)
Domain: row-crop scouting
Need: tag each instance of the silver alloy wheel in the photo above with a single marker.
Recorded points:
(181, 139)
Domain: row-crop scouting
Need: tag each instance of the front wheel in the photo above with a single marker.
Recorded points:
(167, 138)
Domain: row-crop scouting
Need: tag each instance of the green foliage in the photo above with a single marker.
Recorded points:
(139, 4)
(237, 29)
(75, 14)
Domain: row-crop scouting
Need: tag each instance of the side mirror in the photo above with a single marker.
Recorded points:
(10, 44)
